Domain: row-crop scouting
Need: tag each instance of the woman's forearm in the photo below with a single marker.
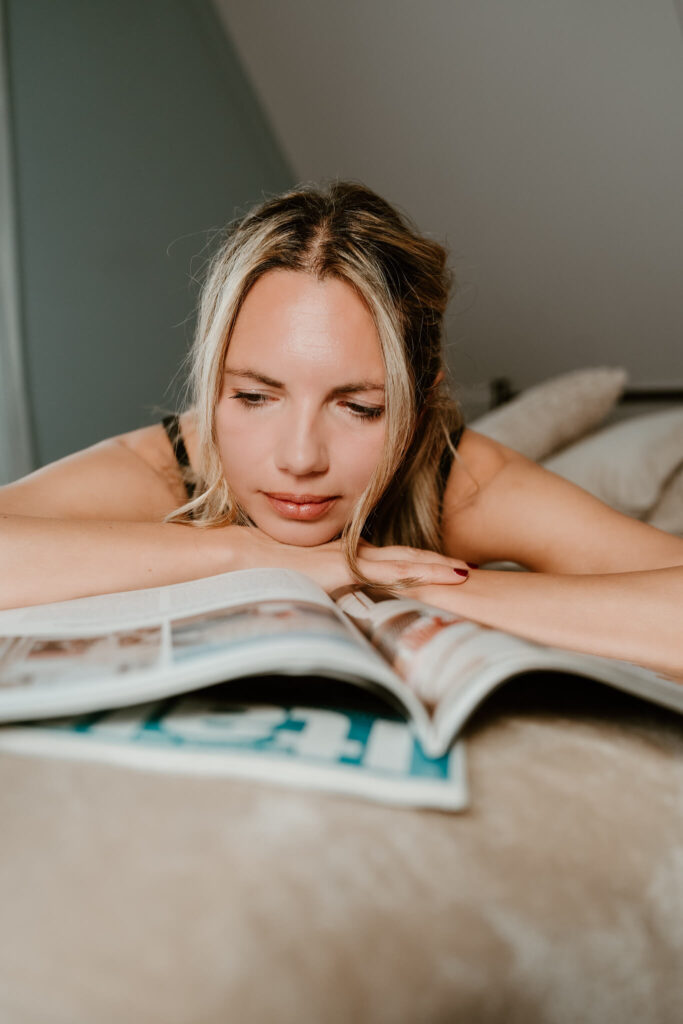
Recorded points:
(635, 616)
(44, 560)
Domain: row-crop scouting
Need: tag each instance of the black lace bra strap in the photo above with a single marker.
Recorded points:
(172, 427)
(447, 459)
(443, 471)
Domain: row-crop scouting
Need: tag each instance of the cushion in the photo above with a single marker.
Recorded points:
(627, 465)
(550, 415)
(668, 512)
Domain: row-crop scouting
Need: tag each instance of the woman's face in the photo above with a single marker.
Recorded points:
(300, 419)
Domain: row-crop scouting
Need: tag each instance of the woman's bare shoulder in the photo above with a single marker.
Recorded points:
(501, 506)
(152, 445)
(466, 522)
(478, 461)
(131, 476)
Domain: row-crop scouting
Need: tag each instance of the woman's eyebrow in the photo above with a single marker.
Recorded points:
(260, 377)
(342, 389)
(358, 385)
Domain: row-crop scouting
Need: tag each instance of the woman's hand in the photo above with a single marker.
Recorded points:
(327, 566)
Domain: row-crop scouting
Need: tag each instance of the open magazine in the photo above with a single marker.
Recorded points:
(116, 661)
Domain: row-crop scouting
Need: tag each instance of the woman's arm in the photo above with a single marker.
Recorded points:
(91, 524)
(602, 582)
(46, 560)
(634, 616)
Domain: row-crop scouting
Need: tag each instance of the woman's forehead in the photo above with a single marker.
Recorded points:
(293, 317)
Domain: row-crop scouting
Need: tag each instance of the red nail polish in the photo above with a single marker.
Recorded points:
(472, 565)
(461, 572)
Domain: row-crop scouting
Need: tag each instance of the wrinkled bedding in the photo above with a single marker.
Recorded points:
(557, 897)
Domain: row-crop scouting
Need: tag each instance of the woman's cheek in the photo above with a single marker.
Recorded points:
(235, 442)
(235, 427)
(363, 458)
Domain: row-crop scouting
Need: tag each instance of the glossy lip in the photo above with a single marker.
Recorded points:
(304, 507)
(301, 499)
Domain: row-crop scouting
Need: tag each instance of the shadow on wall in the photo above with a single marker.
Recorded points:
(135, 136)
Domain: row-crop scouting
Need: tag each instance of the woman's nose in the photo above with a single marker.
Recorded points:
(302, 449)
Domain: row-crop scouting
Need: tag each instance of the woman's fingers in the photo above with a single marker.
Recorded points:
(388, 571)
(429, 566)
(385, 566)
(400, 552)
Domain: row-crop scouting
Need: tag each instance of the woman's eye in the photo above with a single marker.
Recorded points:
(365, 412)
(255, 400)
(251, 399)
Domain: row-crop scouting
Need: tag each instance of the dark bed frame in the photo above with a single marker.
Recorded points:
(501, 391)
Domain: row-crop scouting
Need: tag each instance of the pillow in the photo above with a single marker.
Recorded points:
(550, 415)
(627, 465)
(668, 512)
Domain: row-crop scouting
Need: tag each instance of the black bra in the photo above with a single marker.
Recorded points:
(172, 427)
(447, 460)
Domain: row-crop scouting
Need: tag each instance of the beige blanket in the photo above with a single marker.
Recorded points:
(557, 898)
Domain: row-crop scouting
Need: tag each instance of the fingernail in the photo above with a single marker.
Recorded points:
(461, 572)
(472, 565)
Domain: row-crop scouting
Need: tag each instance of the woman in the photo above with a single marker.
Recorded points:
(319, 436)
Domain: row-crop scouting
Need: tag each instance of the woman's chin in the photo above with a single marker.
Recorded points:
(300, 541)
(301, 535)
(288, 526)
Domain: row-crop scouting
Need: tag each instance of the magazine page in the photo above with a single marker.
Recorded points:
(451, 664)
(313, 734)
(120, 649)
(502, 661)
(427, 647)
(103, 613)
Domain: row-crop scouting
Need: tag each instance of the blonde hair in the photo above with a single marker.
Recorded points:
(348, 232)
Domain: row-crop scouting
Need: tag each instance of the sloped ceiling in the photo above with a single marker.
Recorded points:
(542, 140)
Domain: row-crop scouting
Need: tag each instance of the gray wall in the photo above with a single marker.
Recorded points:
(542, 139)
(16, 445)
(135, 134)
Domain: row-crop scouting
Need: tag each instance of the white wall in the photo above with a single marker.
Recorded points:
(542, 139)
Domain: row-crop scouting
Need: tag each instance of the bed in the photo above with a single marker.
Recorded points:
(556, 898)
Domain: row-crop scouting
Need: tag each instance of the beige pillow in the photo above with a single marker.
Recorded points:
(668, 512)
(550, 415)
(627, 465)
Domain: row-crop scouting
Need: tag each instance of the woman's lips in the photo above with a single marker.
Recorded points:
(305, 507)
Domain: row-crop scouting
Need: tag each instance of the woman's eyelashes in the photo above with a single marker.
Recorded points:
(255, 400)
(364, 412)
(250, 399)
